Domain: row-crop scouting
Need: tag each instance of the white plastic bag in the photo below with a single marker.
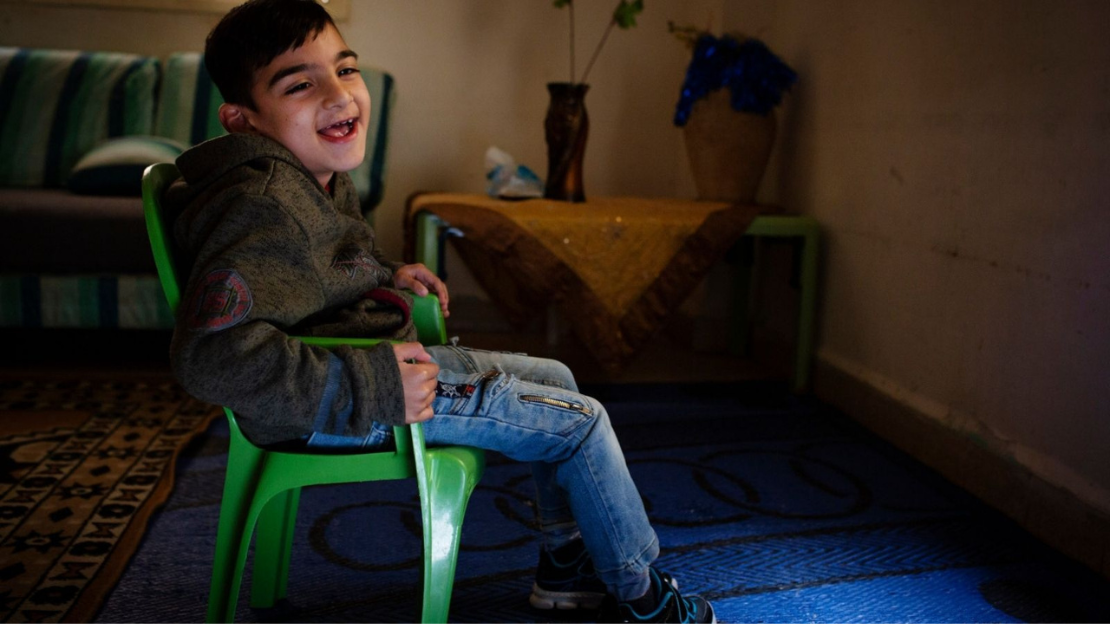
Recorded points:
(508, 180)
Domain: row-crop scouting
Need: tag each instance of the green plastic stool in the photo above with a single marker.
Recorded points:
(262, 488)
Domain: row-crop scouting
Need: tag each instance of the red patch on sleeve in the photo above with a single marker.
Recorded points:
(221, 300)
(387, 296)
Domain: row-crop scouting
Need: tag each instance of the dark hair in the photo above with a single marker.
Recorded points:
(252, 35)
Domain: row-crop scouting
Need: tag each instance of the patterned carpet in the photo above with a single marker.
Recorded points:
(82, 466)
(777, 508)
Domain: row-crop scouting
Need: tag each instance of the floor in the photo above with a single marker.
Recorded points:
(684, 352)
(775, 507)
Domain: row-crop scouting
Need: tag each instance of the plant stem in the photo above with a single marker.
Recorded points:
(571, 7)
(601, 44)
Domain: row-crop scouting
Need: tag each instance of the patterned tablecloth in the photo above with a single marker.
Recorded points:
(615, 267)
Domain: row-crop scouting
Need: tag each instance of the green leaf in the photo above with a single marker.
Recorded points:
(561, 3)
(625, 15)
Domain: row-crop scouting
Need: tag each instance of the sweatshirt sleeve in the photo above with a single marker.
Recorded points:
(255, 277)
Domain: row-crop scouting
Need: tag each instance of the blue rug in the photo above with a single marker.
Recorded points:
(776, 508)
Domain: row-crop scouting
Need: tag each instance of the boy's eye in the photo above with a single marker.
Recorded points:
(348, 70)
(296, 87)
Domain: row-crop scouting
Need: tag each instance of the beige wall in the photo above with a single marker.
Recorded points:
(470, 74)
(957, 155)
(954, 152)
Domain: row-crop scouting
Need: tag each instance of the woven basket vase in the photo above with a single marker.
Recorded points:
(728, 150)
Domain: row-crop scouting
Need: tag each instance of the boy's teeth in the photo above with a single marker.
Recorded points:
(340, 129)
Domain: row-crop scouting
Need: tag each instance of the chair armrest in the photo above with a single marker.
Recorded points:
(431, 330)
(428, 318)
(329, 342)
(426, 315)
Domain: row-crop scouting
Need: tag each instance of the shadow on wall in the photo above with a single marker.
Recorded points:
(791, 170)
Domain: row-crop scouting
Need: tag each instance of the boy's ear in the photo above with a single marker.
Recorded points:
(234, 119)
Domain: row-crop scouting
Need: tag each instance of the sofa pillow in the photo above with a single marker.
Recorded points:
(115, 167)
(56, 105)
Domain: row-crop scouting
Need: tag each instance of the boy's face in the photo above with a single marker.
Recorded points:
(313, 101)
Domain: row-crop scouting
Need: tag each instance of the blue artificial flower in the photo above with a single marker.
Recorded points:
(756, 78)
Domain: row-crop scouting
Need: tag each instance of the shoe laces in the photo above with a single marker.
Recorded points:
(686, 608)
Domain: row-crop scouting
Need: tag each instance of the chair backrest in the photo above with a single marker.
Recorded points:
(56, 105)
(156, 180)
(158, 177)
(189, 104)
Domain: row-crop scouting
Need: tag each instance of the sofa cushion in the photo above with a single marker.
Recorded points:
(56, 105)
(55, 231)
(189, 103)
(115, 167)
(123, 301)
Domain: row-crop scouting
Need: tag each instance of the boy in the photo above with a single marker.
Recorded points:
(270, 224)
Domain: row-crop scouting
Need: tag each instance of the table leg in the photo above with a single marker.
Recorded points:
(427, 241)
(808, 231)
(744, 251)
(807, 316)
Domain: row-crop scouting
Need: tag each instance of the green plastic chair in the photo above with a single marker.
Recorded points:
(263, 487)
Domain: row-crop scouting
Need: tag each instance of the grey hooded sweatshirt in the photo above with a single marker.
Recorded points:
(272, 255)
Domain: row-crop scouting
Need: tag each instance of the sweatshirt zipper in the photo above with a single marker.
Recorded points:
(567, 405)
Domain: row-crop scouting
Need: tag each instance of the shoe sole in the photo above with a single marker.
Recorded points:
(546, 600)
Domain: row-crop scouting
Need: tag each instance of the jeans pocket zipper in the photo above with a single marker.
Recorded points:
(567, 405)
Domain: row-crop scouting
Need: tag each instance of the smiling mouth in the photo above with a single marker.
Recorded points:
(340, 129)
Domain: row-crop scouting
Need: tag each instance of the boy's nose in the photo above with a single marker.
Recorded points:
(337, 95)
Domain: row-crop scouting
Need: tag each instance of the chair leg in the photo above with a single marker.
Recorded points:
(451, 479)
(237, 517)
(273, 547)
(233, 534)
(224, 570)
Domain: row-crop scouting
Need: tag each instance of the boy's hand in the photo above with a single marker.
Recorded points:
(418, 377)
(420, 280)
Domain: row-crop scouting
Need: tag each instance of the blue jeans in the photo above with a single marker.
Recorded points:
(529, 409)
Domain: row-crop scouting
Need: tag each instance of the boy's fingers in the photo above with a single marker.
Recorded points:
(444, 298)
(432, 370)
(420, 382)
(422, 416)
(411, 351)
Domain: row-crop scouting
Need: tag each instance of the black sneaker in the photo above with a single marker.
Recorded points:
(565, 579)
(664, 605)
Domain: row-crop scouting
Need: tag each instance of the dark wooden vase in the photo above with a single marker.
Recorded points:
(565, 128)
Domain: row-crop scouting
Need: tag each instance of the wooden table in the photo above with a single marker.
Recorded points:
(615, 266)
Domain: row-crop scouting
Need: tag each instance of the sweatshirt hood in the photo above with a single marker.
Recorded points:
(217, 171)
(205, 167)
(208, 161)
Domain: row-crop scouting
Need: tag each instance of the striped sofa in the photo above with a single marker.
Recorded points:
(82, 261)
